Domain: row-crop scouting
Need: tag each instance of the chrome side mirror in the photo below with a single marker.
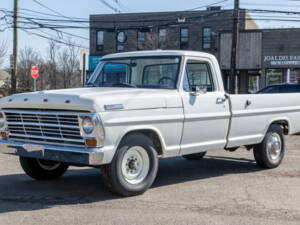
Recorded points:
(197, 90)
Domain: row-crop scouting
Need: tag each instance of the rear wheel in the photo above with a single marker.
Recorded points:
(43, 169)
(196, 156)
(134, 167)
(270, 152)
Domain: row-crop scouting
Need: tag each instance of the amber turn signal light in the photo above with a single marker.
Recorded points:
(91, 142)
(3, 134)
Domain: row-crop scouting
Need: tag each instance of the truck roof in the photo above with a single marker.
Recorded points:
(158, 53)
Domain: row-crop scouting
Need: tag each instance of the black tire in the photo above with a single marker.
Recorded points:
(112, 173)
(196, 156)
(35, 168)
(261, 153)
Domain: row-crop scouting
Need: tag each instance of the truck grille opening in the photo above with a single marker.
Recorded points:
(44, 127)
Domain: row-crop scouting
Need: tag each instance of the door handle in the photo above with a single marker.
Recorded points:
(221, 100)
(248, 102)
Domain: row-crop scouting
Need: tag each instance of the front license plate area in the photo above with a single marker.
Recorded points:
(33, 148)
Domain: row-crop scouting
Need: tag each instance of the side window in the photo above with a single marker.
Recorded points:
(198, 74)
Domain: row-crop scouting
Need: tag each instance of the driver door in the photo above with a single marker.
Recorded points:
(206, 112)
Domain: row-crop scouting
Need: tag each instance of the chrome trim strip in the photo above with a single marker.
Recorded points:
(42, 112)
(44, 143)
(43, 124)
(47, 137)
(265, 111)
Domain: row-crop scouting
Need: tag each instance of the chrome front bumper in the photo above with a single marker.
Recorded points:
(77, 156)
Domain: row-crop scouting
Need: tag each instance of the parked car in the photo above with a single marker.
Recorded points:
(139, 106)
(280, 88)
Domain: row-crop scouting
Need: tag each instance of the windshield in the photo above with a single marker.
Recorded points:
(143, 72)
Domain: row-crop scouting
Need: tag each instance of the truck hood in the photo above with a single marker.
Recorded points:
(95, 99)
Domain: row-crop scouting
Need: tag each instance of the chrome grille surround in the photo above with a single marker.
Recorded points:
(50, 127)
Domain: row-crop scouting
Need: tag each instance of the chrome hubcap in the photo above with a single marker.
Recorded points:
(274, 146)
(135, 165)
(48, 165)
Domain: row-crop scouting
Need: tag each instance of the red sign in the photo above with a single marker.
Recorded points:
(35, 72)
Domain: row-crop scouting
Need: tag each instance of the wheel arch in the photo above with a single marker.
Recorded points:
(284, 122)
(150, 132)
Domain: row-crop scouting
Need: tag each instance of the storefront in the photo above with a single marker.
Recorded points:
(281, 69)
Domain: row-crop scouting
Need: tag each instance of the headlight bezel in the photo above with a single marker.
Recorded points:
(98, 131)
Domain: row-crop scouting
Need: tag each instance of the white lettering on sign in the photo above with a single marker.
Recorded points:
(283, 60)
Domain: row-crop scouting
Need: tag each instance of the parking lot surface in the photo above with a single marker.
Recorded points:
(223, 188)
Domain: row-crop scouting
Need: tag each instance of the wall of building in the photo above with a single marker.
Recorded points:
(249, 51)
(131, 23)
(265, 57)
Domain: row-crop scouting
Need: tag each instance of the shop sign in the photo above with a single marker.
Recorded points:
(283, 60)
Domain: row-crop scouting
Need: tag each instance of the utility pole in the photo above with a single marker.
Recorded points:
(15, 50)
(235, 44)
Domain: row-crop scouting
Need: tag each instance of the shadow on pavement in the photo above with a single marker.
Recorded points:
(78, 186)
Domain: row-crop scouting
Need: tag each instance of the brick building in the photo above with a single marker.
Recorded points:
(191, 30)
(265, 57)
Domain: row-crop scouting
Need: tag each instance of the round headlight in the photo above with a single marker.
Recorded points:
(2, 121)
(87, 125)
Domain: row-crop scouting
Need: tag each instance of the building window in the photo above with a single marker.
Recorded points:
(141, 37)
(162, 37)
(100, 40)
(121, 39)
(206, 38)
(184, 38)
(253, 84)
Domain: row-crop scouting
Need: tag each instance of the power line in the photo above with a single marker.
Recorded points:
(110, 6)
(46, 7)
(122, 6)
(47, 14)
(55, 40)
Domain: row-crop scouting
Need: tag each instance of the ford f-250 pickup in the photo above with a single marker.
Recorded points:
(139, 106)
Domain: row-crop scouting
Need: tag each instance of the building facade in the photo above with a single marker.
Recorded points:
(191, 30)
(265, 57)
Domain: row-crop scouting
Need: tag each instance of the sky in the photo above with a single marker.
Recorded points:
(83, 8)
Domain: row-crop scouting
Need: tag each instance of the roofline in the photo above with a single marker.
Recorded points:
(161, 13)
(261, 30)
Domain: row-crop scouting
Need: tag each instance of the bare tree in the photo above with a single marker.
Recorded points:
(69, 66)
(27, 58)
(3, 51)
(52, 66)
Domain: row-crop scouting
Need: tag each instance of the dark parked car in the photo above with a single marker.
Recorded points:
(281, 88)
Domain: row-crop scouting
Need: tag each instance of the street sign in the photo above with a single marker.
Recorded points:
(35, 72)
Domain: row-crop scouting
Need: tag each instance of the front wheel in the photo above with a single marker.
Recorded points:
(134, 167)
(270, 152)
(40, 169)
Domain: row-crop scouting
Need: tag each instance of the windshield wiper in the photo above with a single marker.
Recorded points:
(124, 85)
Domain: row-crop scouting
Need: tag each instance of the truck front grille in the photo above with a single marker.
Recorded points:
(44, 127)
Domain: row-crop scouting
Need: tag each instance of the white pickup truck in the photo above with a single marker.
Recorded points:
(139, 106)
